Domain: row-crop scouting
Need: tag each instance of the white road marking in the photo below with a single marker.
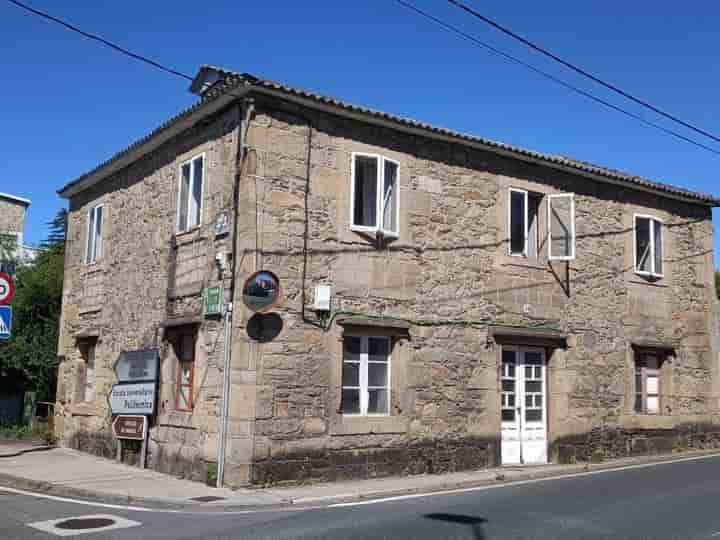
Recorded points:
(456, 491)
(51, 526)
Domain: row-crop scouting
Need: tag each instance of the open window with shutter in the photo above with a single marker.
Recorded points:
(375, 195)
(649, 247)
(523, 223)
(561, 227)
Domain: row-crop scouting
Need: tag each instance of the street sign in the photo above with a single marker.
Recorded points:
(7, 289)
(131, 427)
(5, 322)
(212, 301)
(138, 398)
(137, 366)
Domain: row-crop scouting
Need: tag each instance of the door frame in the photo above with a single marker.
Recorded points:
(520, 403)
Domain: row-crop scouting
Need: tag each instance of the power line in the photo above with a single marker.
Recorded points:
(552, 78)
(101, 40)
(582, 72)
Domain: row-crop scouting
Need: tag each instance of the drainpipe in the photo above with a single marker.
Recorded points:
(244, 109)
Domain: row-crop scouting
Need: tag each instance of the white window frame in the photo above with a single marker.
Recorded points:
(653, 221)
(380, 184)
(363, 376)
(572, 227)
(527, 224)
(645, 373)
(94, 241)
(186, 227)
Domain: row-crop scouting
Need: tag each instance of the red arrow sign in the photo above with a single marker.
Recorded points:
(130, 427)
(7, 289)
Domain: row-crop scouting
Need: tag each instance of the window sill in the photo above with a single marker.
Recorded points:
(639, 279)
(189, 236)
(523, 262)
(374, 232)
(93, 268)
(649, 275)
(368, 425)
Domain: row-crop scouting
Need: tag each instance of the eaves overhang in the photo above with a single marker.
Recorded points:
(234, 85)
(152, 141)
(14, 198)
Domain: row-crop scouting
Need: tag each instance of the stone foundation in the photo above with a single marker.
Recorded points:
(613, 443)
(432, 456)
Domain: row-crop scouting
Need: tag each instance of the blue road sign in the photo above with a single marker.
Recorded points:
(5, 322)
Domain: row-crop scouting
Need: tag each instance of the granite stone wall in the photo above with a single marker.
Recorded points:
(448, 278)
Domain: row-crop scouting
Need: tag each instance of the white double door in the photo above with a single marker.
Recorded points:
(523, 406)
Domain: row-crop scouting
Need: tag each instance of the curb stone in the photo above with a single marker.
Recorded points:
(41, 448)
(497, 477)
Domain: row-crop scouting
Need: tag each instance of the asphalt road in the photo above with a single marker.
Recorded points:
(669, 501)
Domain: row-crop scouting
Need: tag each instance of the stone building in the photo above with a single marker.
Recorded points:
(12, 232)
(488, 304)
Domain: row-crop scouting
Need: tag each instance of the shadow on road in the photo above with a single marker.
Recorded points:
(475, 523)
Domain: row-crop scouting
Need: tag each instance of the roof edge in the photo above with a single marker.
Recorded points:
(220, 94)
(25, 202)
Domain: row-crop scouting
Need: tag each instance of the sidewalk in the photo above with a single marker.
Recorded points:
(69, 473)
(19, 447)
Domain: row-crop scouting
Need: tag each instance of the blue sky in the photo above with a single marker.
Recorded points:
(68, 103)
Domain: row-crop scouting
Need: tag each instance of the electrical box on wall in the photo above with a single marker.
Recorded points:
(322, 298)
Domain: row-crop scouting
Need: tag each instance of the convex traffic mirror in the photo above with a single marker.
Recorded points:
(261, 291)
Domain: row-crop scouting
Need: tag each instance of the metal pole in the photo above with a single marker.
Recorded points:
(118, 451)
(143, 448)
(226, 397)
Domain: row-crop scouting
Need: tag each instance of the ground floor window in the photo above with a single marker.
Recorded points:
(184, 344)
(647, 383)
(366, 375)
(87, 371)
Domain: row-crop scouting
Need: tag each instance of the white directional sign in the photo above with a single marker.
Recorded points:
(137, 366)
(136, 398)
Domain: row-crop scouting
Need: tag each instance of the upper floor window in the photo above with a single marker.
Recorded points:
(648, 246)
(523, 223)
(366, 375)
(190, 194)
(375, 197)
(93, 249)
(526, 231)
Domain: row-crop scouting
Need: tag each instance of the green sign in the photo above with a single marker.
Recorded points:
(212, 301)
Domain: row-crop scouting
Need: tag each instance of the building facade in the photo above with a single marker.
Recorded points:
(488, 305)
(13, 249)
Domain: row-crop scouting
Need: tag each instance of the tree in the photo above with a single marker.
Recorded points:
(29, 358)
(717, 284)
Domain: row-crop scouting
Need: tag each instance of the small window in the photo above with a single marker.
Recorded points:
(94, 247)
(647, 384)
(649, 247)
(523, 229)
(561, 227)
(190, 194)
(375, 195)
(87, 374)
(366, 376)
(185, 353)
